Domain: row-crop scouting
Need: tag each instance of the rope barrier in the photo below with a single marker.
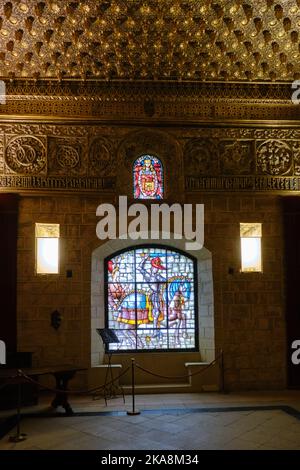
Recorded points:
(96, 389)
(179, 376)
(74, 392)
(8, 383)
(3, 386)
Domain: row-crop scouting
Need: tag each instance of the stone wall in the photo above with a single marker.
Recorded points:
(248, 308)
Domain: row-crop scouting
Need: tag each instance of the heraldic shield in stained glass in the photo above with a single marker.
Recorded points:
(150, 298)
(148, 178)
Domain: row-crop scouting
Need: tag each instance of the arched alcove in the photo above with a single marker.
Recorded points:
(205, 294)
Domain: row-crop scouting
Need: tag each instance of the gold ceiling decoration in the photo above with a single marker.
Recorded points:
(190, 40)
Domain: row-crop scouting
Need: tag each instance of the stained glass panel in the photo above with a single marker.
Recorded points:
(148, 178)
(121, 268)
(151, 265)
(179, 264)
(150, 299)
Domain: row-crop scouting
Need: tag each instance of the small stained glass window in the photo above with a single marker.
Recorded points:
(47, 248)
(151, 299)
(148, 178)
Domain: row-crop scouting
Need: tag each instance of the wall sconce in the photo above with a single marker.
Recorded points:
(250, 234)
(56, 319)
(47, 248)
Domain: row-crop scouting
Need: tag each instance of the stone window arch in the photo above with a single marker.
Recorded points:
(205, 289)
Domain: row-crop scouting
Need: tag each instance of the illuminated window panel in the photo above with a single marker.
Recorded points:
(150, 300)
(148, 178)
(47, 248)
(250, 234)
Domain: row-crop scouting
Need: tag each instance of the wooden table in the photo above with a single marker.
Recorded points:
(62, 375)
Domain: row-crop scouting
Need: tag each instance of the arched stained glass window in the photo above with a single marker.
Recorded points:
(151, 299)
(148, 178)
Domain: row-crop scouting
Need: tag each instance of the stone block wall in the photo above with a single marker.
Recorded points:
(249, 316)
(249, 307)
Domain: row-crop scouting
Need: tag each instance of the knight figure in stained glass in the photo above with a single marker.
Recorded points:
(151, 299)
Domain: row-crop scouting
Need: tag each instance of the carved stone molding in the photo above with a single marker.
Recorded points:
(246, 183)
(145, 92)
(151, 101)
(116, 134)
(66, 184)
(256, 157)
(91, 157)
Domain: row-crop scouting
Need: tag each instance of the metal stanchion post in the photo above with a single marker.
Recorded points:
(134, 411)
(222, 372)
(19, 436)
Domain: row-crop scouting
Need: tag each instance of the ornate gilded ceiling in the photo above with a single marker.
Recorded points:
(189, 40)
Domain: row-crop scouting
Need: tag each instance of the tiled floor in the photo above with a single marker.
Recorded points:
(169, 422)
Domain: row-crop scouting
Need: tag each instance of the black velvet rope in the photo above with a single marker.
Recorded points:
(180, 376)
(74, 392)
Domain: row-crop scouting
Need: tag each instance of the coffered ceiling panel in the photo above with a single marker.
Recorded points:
(180, 40)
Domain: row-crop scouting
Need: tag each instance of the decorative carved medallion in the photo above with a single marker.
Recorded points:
(274, 157)
(237, 157)
(25, 155)
(201, 157)
(101, 157)
(66, 156)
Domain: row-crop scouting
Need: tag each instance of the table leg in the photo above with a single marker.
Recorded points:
(61, 398)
